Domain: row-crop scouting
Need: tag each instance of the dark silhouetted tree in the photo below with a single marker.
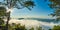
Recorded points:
(19, 4)
(2, 14)
(55, 5)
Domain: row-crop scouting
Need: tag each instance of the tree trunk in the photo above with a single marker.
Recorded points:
(8, 18)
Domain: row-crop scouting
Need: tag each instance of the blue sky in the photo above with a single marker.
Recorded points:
(41, 10)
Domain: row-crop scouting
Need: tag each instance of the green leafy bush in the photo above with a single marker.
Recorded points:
(56, 27)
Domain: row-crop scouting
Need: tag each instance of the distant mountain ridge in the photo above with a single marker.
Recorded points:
(40, 19)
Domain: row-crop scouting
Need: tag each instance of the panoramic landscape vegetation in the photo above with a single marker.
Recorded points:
(29, 14)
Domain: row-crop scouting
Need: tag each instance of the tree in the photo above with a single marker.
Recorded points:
(39, 28)
(18, 27)
(55, 5)
(56, 27)
(19, 4)
(2, 14)
(32, 28)
(50, 29)
(2, 11)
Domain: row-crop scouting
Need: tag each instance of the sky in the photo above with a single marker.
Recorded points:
(41, 10)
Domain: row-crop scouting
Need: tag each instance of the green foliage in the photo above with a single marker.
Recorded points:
(14, 26)
(31, 28)
(17, 27)
(1, 22)
(2, 11)
(39, 28)
(56, 27)
(55, 5)
(29, 3)
(2, 14)
(19, 4)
